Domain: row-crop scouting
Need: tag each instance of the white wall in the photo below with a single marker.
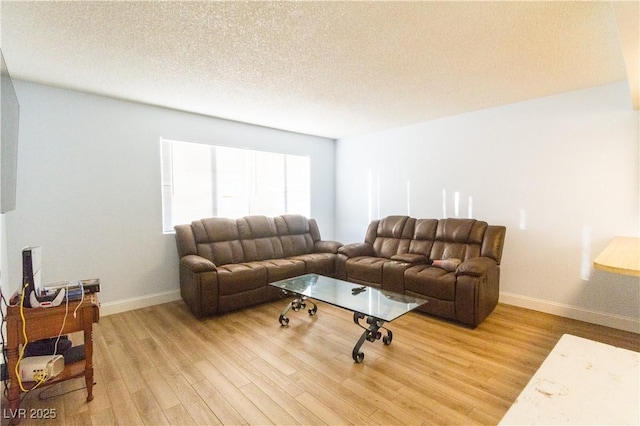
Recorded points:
(89, 188)
(561, 173)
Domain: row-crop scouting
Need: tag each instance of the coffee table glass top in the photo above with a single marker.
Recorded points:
(382, 304)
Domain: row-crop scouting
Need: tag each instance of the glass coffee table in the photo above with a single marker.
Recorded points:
(372, 305)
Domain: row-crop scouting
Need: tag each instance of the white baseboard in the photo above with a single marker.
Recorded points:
(110, 308)
(601, 318)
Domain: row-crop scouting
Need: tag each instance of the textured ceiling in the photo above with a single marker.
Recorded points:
(324, 68)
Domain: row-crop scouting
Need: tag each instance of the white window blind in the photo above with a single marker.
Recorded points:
(201, 181)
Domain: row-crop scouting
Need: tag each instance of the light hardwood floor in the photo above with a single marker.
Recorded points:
(160, 365)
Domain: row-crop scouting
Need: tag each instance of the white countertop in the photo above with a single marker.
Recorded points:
(581, 382)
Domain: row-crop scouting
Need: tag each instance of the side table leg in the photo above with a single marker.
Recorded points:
(14, 390)
(88, 352)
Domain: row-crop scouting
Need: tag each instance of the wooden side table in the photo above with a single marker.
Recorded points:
(42, 323)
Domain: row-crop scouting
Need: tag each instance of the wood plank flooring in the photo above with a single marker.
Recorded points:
(160, 365)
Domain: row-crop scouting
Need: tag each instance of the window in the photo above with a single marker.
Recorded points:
(214, 181)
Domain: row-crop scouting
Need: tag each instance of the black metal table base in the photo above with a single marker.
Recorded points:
(299, 302)
(371, 332)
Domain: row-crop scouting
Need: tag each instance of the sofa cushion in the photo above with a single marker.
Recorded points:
(424, 235)
(292, 224)
(458, 238)
(280, 269)
(294, 245)
(250, 227)
(411, 258)
(295, 234)
(389, 247)
(393, 236)
(431, 281)
(396, 227)
(241, 277)
(460, 230)
(215, 229)
(259, 238)
(366, 269)
(217, 239)
(318, 263)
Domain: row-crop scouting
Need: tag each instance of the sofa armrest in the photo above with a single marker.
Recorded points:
(413, 258)
(197, 264)
(357, 249)
(477, 266)
(326, 246)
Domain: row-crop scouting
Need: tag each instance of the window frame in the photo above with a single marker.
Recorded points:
(289, 184)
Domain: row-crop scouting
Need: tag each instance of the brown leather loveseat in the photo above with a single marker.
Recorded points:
(226, 264)
(453, 263)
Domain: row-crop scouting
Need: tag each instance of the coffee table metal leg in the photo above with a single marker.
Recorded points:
(371, 334)
(356, 354)
(299, 302)
(283, 316)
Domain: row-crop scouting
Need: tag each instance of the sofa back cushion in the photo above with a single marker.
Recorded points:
(217, 239)
(296, 234)
(458, 239)
(391, 236)
(424, 235)
(259, 238)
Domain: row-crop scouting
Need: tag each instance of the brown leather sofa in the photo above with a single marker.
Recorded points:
(453, 263)
(226, 264)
